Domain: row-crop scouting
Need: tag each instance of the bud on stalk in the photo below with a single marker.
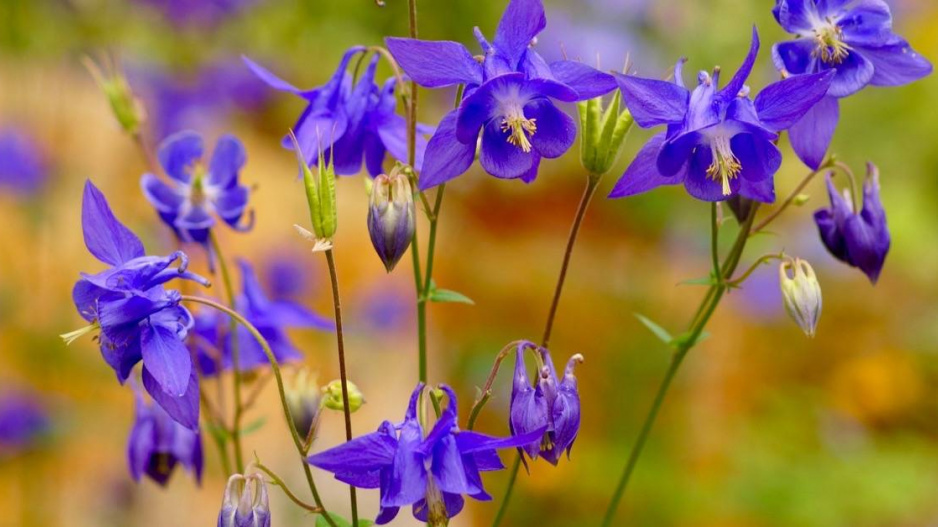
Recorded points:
(305, 402)
(391, 216)
(333, 400)
(127, 109)
(802, 293)
(320, 193)
(245, 503)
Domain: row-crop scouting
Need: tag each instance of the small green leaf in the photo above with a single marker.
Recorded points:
(659, 331)
(683, 340)
(445, 295)
(339, 521)
(254, 426)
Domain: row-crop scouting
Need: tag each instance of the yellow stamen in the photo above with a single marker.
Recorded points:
(725, 165)
(72, 336)
(520, 128)
(830, 45)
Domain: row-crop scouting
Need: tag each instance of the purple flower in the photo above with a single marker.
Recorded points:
(346, 123)
(157, 443)
(430, 473)
(718, 142)
(23, 420)
(138, 319)
(271, 317)
(553, 406)
(509, 96)
(860, 239)
(198, 13)
(245, 503)
(855, 40)
(196, 194)
(23, 169)
(391, 217)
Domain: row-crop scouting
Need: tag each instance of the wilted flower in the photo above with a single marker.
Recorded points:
(197, 194)
(23, 169)
(431, 473)
(271, 317)
(333, 400)
(391, 216)
(24, 419)
(508, 98)
(801, 292)
(860, 239)
(138, 319)
(245, 503)
(718, 142)
(158, 443)
(853, 39)
(552, 405)
(305, 402)
(344, 124)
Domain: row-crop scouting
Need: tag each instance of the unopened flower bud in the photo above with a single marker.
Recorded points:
(245, 503)
(603, 133)
(391, 216)
(320, 193)
(800, 199)
(332, 396)
(305, 402)
(801, 292)
(126, 107)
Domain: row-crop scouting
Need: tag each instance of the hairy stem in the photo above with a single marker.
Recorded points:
(278, 376)
(343, 372)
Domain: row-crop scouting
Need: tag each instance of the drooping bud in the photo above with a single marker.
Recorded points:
(320, 193)
(305, 402)
(245, 503)
(603, 133)
(332, 396)
(126, 107)
(801, 292)
(391, 216)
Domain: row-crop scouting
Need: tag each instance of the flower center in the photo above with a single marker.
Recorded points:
(520, 128)
(725, 165)
(436, 508)
(830, 45)
(197, 194)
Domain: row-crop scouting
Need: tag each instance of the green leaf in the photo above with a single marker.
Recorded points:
(659, 331)
(683, 340)
(254, 426)
(340, 521)
(446, 295)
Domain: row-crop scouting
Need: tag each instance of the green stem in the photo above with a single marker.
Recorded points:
(275, 367)
(343, 372)
(286, 490)
(503, 508)
(708, 307)
(235, 363)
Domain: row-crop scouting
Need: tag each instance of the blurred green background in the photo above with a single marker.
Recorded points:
(764, 427)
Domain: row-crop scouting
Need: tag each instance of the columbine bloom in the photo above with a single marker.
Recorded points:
(860, 239)
(138, 319)
(391, 217)
(23, 169)
(245, 503)
(552, 403)
(801, 293)
(344, 124)
(509, 94)
(718, 142)
(853, 39)
(197, 194)
(431, 473)
(272, 317)
(157, 444)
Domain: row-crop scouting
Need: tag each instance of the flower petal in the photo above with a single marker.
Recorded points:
(556, 130)
(183, 409)
(106, 238)
(587, 81)
(795, 16)
(178, 153)
(166, 358)
(499, 157)
(272, 80)
(653, 102)
(227, 159)
(896, 64)
(230, 204)
(642, 173)
(735, 84)
(853, 74)
(446, 157)
(164, 198)
(795, 56)
(520, 23)
(702, 186)
(781, 104)
(434, 64)
(812, 134)
(364, 453)
(759, 158)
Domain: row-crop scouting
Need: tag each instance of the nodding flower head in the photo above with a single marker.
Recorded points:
(158, 443)
(245, 503)
(391, 216)
(801, 293)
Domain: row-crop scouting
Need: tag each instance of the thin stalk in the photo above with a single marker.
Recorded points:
(791, 198)
(708, 307)
(235, 362)
(278, 376)
(286, 490)
(343, 372)
(503, 508)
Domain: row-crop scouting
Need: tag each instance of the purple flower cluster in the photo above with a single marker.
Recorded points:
(158, 443)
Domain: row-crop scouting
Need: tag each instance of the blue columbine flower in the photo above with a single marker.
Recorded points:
(197, 194)
(157, 444)
(718, 142)
(509, 93)
(853, 38)
(431, 473)
(137, 317)
(553, 405)
(860, 239)
(245, 503)
(271, 317)
(348, 123)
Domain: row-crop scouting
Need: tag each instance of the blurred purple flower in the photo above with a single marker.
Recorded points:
(287, 277)
(198, 13)
(23, 421)
(853, 39)
(387, 309)
(23, 169)
(157, 444)
(272, 317)
(430, 473)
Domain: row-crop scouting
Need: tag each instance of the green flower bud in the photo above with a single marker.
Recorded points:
(332, 396)
(305, 402)
(602, 133)
(801, 292)
(126, 107)
(320, 193)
